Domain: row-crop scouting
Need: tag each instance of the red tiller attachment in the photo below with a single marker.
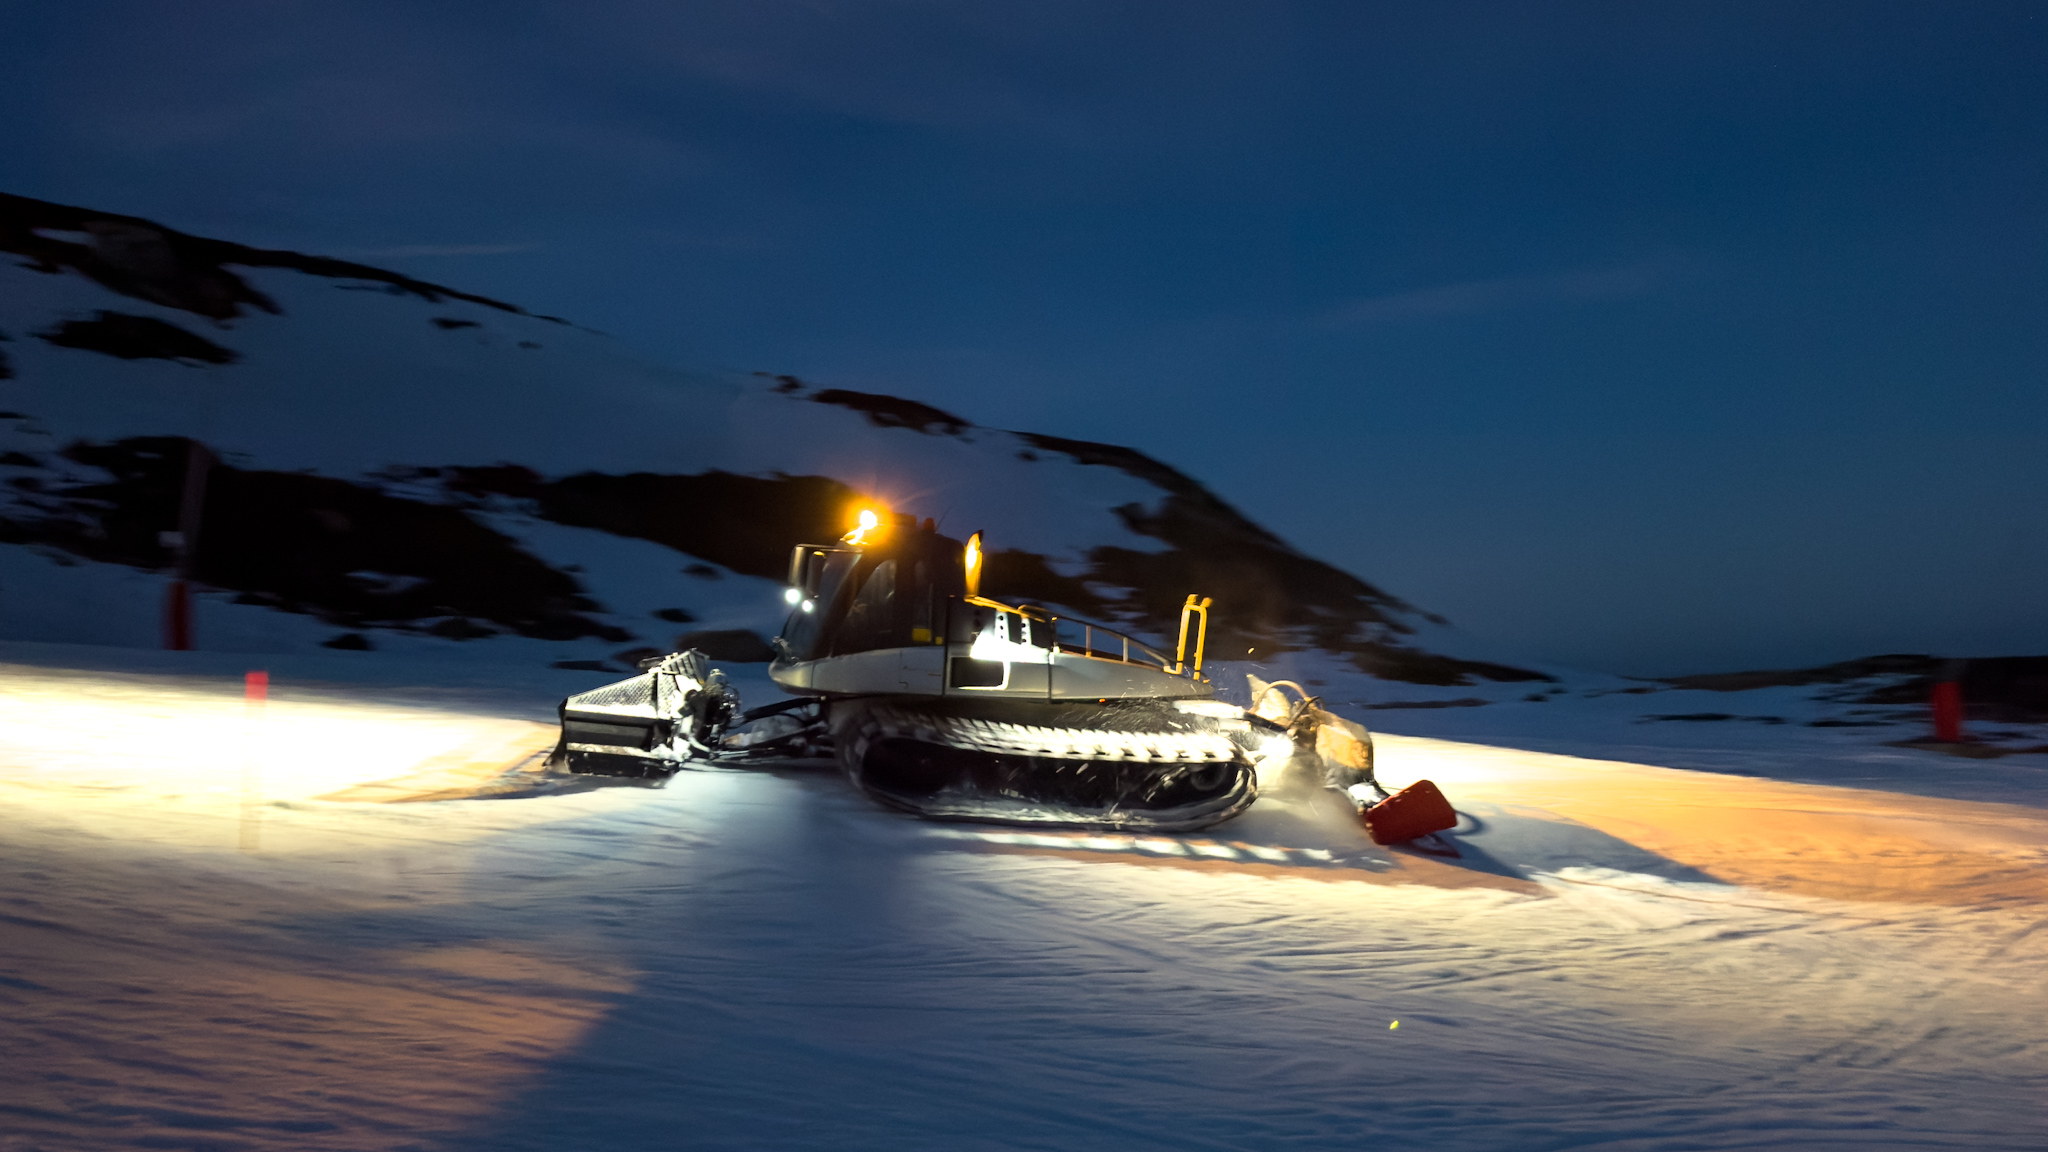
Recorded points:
(1414, 811)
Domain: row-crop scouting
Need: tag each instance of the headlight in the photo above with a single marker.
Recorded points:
(791, 595)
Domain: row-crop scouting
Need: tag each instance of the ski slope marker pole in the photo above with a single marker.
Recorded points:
(1948, 712)
(255, 690)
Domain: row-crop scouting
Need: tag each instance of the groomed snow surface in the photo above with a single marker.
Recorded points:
(355, 916)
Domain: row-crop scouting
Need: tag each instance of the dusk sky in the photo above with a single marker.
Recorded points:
(1641, 337)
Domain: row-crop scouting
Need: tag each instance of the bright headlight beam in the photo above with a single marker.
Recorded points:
(989, 646)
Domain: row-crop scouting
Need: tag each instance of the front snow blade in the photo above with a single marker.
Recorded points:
(1410, 814)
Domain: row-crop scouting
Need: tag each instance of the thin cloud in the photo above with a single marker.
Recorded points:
(405, 250)
(1071, 70)
(728, 242)
(1475, 297)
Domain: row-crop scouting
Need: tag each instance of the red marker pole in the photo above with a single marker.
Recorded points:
(255, 690)
(1948, 712)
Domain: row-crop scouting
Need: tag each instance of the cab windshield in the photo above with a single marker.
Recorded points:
(803, 629)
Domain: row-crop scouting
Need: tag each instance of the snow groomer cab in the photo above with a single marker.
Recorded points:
(895, 609)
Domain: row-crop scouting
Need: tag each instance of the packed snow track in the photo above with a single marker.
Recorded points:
(358, 917)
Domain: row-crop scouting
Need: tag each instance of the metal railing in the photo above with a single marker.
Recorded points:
(1120, 647)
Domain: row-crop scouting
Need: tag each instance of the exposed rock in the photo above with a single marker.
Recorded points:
(138, 338)
(1998, 689)
(147, 261)
(745, 523)
(732, 645)
(1268, 595)
(892, 411)
(1842, 673)
(346, 553)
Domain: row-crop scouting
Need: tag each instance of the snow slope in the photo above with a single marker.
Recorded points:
(232, 926)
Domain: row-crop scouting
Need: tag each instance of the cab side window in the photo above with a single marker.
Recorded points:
(921, 594)
(871, 619)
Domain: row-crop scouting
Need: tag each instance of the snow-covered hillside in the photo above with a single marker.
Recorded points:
(405, 466)
(413, 470)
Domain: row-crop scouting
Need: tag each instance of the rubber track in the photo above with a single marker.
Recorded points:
(1091, 744)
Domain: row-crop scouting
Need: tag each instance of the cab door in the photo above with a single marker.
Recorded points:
(921, 620)
(921, 669)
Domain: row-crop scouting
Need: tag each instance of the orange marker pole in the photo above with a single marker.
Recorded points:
(255, 690)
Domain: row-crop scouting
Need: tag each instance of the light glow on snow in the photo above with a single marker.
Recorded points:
(204, 769)
(562, 962)
(1273, 752)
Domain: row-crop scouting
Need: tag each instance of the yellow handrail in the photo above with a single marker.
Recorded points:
(1026, 610)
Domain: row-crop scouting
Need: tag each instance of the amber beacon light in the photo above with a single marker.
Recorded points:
(974, 565)
(868, 522)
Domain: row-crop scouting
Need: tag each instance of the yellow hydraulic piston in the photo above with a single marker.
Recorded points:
(1192, 609)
